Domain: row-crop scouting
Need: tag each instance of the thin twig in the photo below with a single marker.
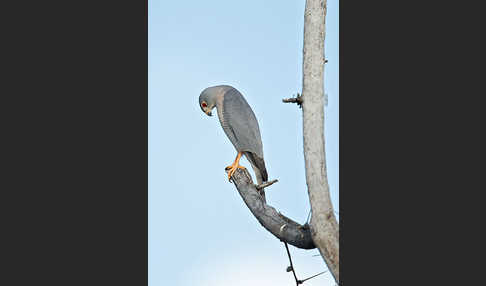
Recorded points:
(308, 216)
(266, 184)
(297, 99)
(302, 281)
(292, 100)
(291, 267)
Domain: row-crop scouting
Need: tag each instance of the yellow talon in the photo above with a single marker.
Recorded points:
(236, 164)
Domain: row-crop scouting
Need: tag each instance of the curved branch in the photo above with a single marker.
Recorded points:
(279, 225)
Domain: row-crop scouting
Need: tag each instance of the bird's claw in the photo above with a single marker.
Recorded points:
(232, 170)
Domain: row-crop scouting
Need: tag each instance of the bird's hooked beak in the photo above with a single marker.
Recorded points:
(208, 112)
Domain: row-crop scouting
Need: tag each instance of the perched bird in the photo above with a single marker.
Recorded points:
(240, 125)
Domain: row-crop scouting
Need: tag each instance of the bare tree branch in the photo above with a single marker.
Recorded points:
(297, 99)
(266, 184)
(323, 224)
(279, 225)
(291, 267)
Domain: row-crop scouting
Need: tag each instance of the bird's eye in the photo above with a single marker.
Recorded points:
(204, 104)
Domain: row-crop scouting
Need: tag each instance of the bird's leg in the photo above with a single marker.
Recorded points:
(236, 164)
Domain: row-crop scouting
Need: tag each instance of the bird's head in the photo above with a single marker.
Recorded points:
(207, 100)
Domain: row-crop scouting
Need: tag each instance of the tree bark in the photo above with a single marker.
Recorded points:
(323, 224)
(279, 225)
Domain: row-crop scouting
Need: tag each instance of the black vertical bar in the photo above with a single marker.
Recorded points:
(74, 183)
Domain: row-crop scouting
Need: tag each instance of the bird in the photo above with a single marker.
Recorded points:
(239, 124)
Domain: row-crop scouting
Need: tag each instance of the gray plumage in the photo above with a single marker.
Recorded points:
(238, 122)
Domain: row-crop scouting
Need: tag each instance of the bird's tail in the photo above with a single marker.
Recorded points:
(258, 165)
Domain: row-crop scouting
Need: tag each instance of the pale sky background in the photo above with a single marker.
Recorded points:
(200, 230)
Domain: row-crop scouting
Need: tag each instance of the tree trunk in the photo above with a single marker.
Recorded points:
(323, 224)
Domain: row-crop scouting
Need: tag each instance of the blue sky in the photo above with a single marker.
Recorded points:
(200, 230)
